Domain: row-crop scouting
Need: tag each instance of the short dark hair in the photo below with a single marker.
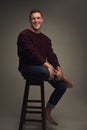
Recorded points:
(35, 11)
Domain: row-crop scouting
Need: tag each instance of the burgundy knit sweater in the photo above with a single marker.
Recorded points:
(34, 49)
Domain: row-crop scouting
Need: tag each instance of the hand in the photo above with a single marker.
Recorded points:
(52, 73)
(47, 65)
(68, 82)
(50, 69)
(62, 77)
(59, 73)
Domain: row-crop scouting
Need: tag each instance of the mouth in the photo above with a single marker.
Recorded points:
(37, 24)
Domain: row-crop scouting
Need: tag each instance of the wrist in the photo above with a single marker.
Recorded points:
(46, 64)
(58, 68)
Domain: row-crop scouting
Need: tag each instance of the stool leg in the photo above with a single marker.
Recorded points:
(23, 111)
(43, 108)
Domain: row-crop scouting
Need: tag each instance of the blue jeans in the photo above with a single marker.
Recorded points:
(42, 73)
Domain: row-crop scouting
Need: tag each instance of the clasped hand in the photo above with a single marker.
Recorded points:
(53, 72)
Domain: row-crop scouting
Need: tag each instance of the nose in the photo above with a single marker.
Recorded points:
(36, 19)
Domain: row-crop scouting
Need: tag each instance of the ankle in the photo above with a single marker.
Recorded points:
(48, 109)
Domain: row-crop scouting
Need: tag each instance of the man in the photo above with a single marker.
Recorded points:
(38, 61)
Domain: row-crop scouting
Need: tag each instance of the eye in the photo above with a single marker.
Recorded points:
(38, 17)
(33, 19)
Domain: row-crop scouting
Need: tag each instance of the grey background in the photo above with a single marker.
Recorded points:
(66, 24)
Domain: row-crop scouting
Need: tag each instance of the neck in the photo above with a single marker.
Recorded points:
(33, 30)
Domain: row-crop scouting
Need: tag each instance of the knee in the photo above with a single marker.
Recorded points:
(45, 73)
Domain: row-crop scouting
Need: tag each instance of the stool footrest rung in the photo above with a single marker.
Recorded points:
(34, 101)
(33, 120)
(36, 112)
(34, 107)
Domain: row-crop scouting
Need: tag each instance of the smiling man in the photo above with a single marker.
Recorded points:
(38, 61)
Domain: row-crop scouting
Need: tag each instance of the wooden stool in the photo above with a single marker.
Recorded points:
(33, 109)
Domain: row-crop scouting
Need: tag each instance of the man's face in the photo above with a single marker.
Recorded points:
(36, 21)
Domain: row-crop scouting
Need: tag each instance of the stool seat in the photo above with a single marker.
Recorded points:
(28, 109)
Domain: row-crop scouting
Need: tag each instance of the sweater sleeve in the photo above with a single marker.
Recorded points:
(27, 50)
(51, 56)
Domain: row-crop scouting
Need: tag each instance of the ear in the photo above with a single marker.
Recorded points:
(42, 19)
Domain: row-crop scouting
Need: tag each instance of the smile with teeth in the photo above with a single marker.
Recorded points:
(36, 24)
